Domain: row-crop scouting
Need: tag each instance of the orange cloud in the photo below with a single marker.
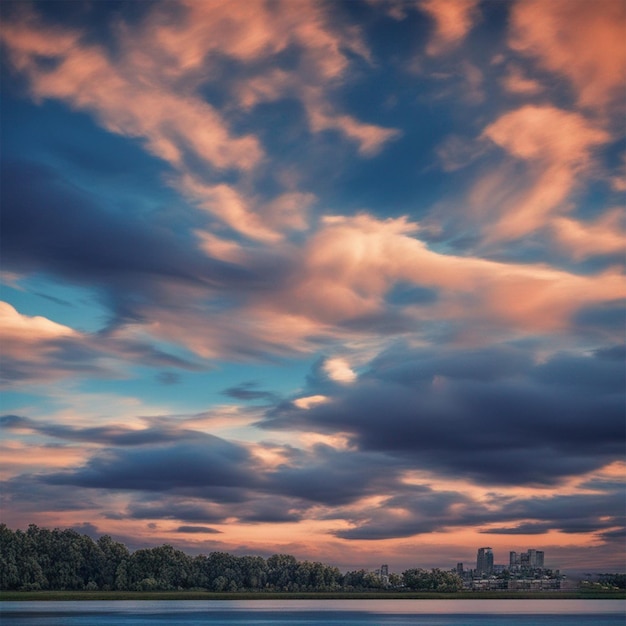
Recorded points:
(453, 20)
(257, 30)
(150, 91)
(83, 76)
(15, 327)
(516, 82)
(29, 342)
(345, 272)
(557, 147)
(227, 204)
(580, 40)
(17, 457)
(606, 235)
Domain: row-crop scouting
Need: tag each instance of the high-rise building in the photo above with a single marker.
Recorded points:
(484, 561)
(459, 569)
(531, 559)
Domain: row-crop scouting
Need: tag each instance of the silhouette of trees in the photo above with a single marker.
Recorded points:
(38, 559)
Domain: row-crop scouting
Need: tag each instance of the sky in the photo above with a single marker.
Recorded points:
(338, 279)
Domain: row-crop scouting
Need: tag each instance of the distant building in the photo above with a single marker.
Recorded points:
(531, 559)
(484, 561)
(459, 569)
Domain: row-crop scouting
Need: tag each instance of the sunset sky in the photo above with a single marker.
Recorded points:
(339, 279)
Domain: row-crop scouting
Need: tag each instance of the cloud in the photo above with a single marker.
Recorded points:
(604, 236)
(492, 415)
(173, 52)
(168, 378)
(209, 465)
(85, 77)
(226, 203)
(72, 237)
(339, 370)
(37, 349)
(545, 132)
(371, 138)
(579, 40)
(453, 21)
(456, 152)
(516, 82)
(342, 283)
(308, 401)
(203, 530)
(111, 434)
(557, 147)
(25, 328)
(422, 509)
(247, 391)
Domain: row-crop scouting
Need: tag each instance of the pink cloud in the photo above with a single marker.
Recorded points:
(516, 82)
(453, 21)
(16, 327)
(580, 40)
(84, 77)
(257, 30)
(345, 271)
(229, 206)
(371, 138)
(606, 235)
(557, 147)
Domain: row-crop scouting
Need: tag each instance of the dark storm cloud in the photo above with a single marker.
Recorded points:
(334, 477)
(421, 509)
(416, 509)
(493, 416)
(208, 465)
(50, 225)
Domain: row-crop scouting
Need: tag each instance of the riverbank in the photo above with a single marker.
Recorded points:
(31, 596)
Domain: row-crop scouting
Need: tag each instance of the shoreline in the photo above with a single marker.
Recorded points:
(34, 596)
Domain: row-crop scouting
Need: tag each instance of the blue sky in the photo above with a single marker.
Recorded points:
(338, 279)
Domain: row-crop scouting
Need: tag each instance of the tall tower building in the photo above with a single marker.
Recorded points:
(484, 561)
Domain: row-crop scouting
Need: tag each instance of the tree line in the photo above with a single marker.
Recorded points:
(64, 560)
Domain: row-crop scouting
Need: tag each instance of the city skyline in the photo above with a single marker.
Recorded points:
(337, 279)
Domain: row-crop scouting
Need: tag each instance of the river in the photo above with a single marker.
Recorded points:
(317, 612)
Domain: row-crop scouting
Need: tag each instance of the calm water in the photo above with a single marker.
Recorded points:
(318, 612)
